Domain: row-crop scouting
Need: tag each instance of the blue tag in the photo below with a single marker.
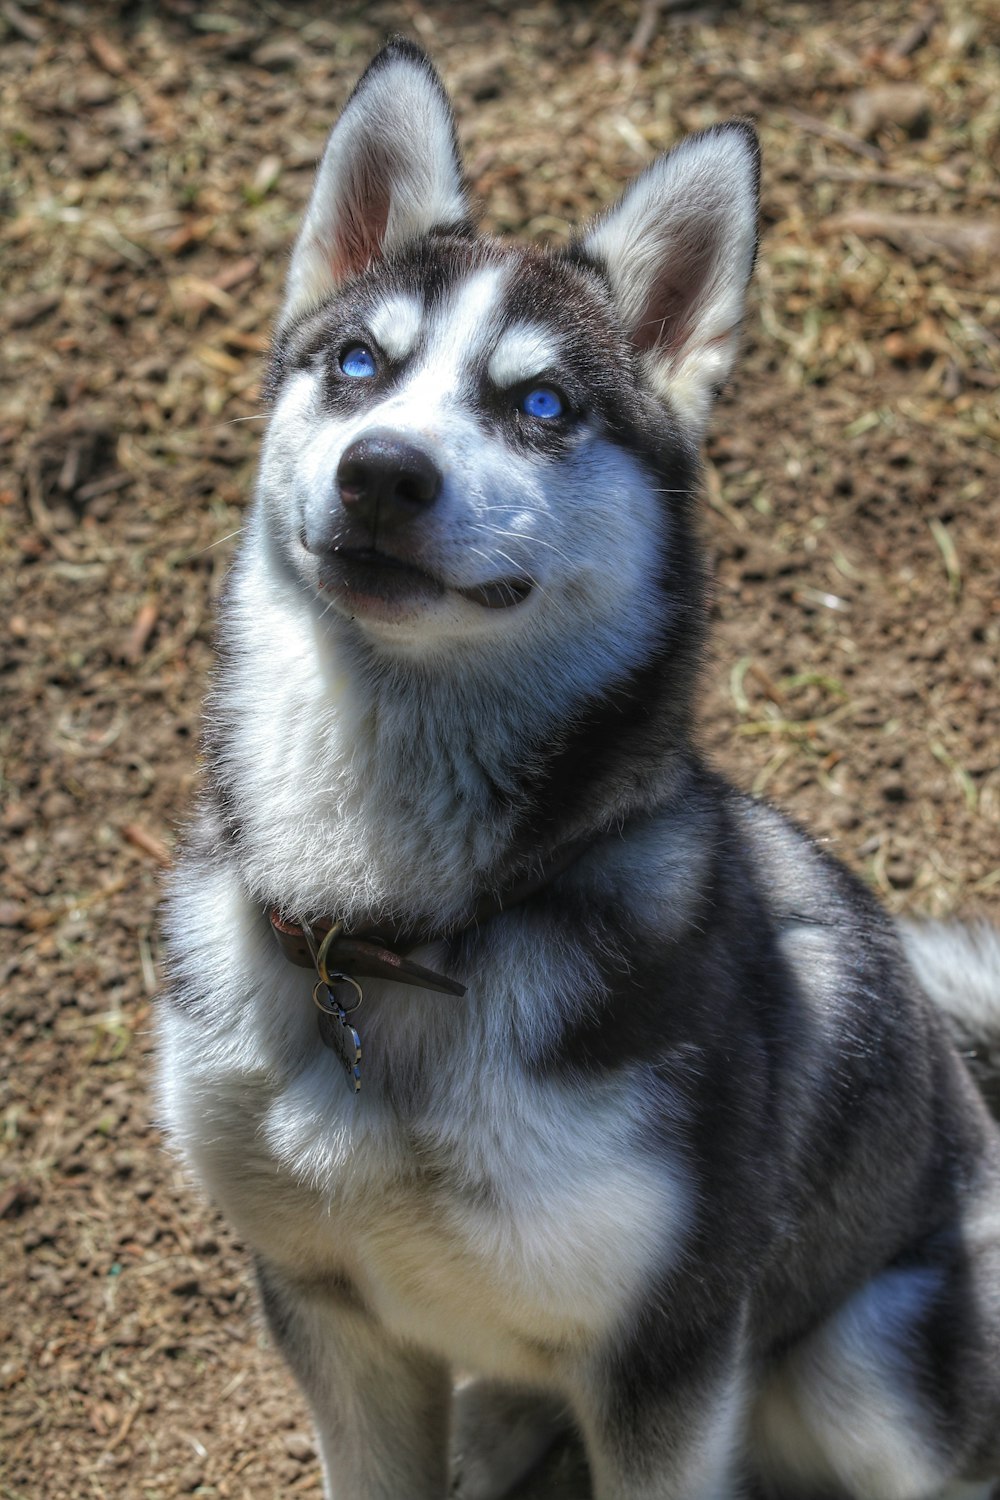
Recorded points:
(337, 1033)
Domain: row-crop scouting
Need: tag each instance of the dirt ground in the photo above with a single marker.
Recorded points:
(155, 159)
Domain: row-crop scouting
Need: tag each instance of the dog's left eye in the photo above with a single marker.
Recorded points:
(358, 362)
(542, 402)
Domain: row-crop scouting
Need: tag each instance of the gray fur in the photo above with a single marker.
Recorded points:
(695, 1160)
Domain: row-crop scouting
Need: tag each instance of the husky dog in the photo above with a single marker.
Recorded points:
(692, 1162)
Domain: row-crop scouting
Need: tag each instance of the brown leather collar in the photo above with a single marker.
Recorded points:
(379, 950)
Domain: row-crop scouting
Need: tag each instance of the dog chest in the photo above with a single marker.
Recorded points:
(542, 1246)
(537, 1220)
(492, 1229)
(468, 1198)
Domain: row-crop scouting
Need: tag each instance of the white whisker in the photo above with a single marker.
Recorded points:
(217, 543)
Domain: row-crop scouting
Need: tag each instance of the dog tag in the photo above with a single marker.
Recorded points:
(337, 1033)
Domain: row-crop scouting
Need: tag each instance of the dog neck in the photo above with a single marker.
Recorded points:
(358, 786)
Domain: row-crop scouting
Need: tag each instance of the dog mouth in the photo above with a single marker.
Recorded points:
(502, 593)
(365, 574)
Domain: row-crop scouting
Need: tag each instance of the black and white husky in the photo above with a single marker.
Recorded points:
(692, 1160)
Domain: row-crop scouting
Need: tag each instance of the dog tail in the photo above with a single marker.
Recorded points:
(958, 967)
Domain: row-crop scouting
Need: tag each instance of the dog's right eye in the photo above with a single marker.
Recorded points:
(358, 362)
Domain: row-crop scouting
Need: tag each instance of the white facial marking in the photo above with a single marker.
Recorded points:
(422, 404)
(461, 328)
(523, 351)
(396, 325)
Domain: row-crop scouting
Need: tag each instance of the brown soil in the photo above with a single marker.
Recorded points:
(156, 160)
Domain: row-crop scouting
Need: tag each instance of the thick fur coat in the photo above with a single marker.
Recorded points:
(693, 1164)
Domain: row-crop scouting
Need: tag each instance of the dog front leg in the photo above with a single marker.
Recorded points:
(672, 1430)
(381, 1409)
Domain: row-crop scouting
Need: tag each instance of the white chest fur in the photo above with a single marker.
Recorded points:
(492, 1216)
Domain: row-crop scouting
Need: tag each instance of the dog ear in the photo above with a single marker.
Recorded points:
(678, 250)
(390, 173)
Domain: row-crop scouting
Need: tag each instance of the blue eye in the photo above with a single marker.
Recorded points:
(542, 402)
(358, 362)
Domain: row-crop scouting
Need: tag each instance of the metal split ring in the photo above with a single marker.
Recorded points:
(327, 984)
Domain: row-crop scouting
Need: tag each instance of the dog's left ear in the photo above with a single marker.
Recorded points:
(678, 250)
(390, 173)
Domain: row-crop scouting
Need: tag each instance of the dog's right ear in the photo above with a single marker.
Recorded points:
(390, 173)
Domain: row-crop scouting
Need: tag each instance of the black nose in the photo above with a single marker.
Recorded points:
(386, 481)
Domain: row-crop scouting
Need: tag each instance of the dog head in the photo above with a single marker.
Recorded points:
(474, 442)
